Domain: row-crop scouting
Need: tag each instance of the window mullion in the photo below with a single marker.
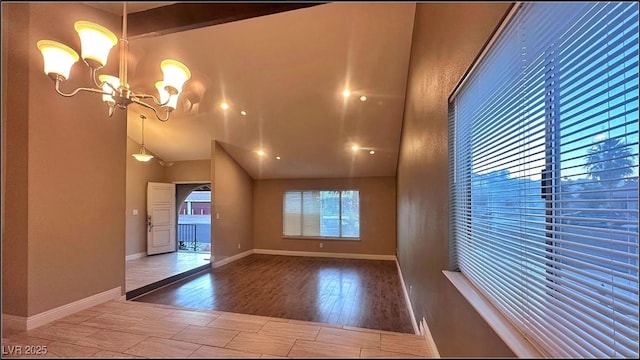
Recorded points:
(340, 213)
(301, 213)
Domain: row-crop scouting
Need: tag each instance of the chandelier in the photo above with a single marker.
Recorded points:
(96, 42)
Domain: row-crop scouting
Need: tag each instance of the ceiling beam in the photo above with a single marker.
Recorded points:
(188, 16)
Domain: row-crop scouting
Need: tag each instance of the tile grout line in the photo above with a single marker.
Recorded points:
(231, 340)
(194, 351)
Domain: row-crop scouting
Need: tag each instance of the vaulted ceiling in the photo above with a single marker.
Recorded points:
(286, 68)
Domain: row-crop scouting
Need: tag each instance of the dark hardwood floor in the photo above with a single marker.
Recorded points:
(352, 292)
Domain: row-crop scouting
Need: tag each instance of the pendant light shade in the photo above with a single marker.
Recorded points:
(58, 58)
(175, 75)
(109, 84)
(96, 42)
(142, 155)
(170, 101)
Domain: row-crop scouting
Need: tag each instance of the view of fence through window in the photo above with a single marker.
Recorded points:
(194, 222)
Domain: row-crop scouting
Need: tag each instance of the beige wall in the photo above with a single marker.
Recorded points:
(189, 171)
(3, 142)
(232, 197)
(15, 152)
(65, 175)
(446, 39)
(138, 175)
(377, 215)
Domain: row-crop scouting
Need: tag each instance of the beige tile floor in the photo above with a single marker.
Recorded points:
(126, 329)
(149, 269)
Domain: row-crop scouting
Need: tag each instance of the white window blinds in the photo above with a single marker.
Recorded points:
(326, 214)
(544, 176)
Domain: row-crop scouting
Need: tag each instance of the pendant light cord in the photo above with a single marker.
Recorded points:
(142, 117)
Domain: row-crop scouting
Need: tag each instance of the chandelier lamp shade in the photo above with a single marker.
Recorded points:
(142, 155)
(97, 42)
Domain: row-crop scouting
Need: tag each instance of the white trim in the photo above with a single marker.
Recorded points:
(21, 323)
(231, 258)
(511, 336)
(407, 300)
(135, 256)
(325, 254)
(431, 344)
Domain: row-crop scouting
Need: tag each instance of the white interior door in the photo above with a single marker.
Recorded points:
(161, 218)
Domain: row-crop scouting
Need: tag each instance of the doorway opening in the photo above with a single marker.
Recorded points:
(193, 202)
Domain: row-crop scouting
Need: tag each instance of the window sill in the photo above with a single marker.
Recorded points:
(511, 336)
(320, 238)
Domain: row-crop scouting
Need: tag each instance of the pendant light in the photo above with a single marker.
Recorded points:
(142, 155)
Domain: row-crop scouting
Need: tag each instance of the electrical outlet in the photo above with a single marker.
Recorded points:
(321, 245)
(238, 246)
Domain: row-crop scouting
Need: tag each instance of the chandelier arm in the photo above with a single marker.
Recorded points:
(94, 76)
(76, 91)
(148, 96)
(155, 111)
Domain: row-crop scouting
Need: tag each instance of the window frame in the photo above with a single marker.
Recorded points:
(318, 237)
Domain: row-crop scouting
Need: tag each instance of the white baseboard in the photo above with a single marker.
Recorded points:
(231, 258)
(135, 256)
(324, 254)
(424, 330)
(408, 301)
(21, 323)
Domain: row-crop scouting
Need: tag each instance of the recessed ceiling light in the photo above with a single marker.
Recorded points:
(277, 157)
(355, 147)
(346, 93)
(243, 113)
(260, 152)
(363, 98)
(224, 106)
(372, 152)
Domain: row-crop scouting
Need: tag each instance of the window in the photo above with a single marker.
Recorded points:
(544, 176)
(314, 213)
